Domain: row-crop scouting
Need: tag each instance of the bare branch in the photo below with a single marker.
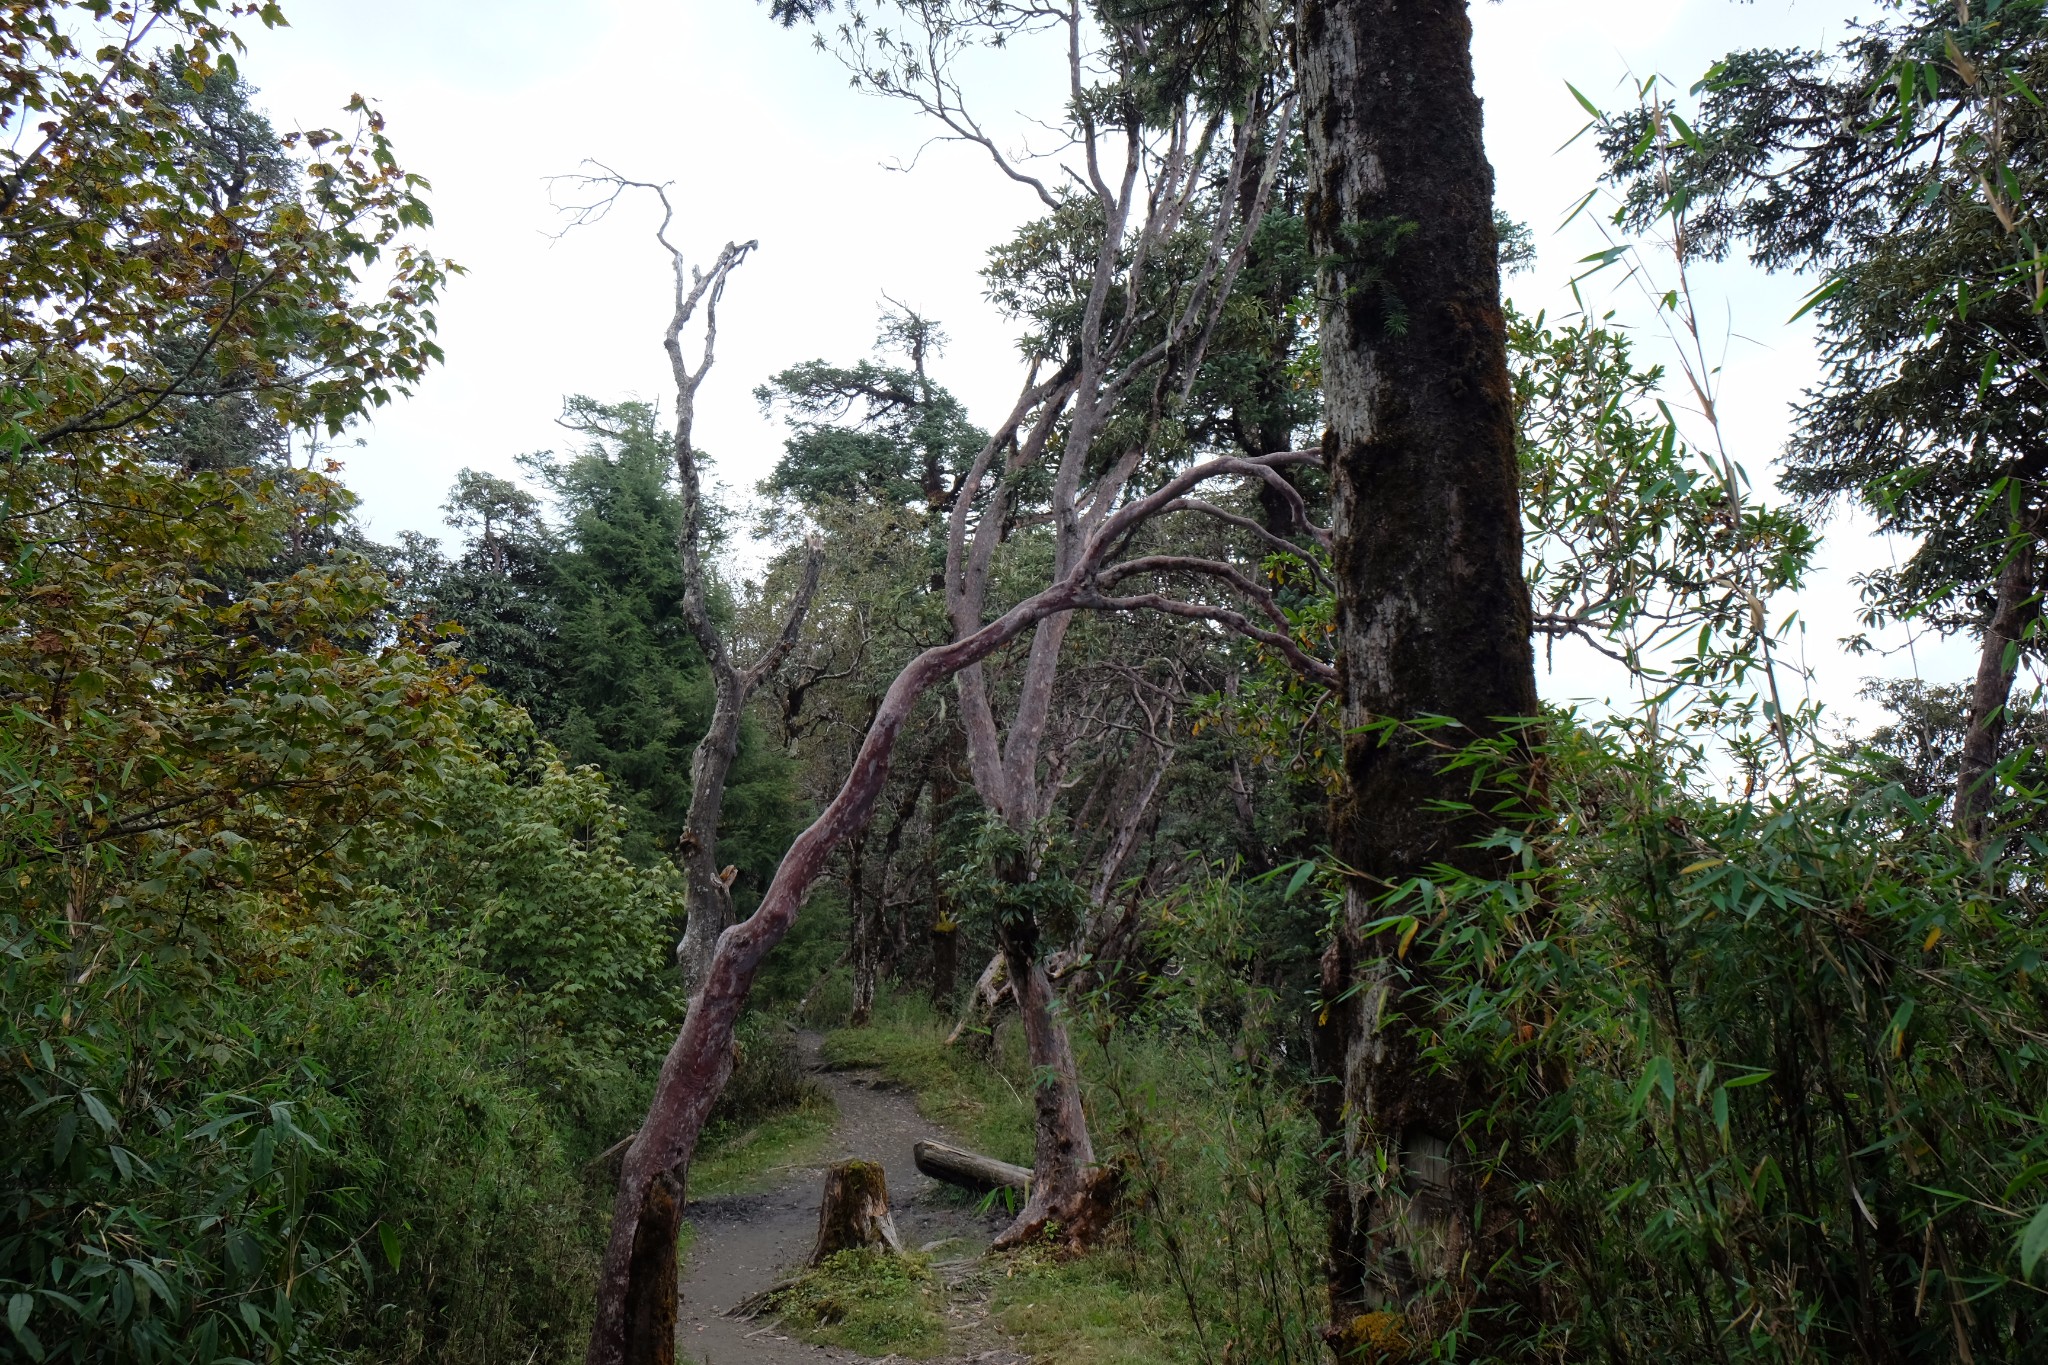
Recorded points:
(792, 626)
(1304, 663)
(1278, 544)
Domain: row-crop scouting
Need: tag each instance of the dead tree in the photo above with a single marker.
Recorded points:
(1433, 618)
(708, 886)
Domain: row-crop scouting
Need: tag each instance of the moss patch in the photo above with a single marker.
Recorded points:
(867, 1301)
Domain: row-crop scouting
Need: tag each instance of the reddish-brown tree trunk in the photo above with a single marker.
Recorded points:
(1433, 620)
(1067, 1187)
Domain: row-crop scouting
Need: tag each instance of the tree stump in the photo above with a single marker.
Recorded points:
(854, 1213)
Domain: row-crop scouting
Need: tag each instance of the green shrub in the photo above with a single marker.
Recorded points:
(767, 1077)
(165, 1162)
(486, 1235)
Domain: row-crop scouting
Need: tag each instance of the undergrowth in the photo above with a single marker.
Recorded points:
(750, 1159)
(872, 1302)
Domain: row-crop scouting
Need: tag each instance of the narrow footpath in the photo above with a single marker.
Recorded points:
(745, 1243)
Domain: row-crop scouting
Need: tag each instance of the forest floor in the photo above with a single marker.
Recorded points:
(743, 1243)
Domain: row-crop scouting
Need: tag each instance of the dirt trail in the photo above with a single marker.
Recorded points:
(745, 1243)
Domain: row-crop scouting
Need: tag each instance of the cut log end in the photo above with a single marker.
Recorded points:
(969, 1170)
(854, 1215)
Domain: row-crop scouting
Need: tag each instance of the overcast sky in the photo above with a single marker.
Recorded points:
(763, 139)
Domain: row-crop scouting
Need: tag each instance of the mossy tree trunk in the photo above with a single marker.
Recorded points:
(853, 1214)
(1433, 619)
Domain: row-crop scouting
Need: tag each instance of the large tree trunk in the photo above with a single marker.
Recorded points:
(2017, 607)
(1433, 619)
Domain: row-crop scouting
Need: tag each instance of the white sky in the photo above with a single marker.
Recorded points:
(763, 139)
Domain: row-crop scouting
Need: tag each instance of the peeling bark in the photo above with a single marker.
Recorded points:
(1433, 614)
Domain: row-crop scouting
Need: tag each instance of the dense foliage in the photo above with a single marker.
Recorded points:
(341, 879)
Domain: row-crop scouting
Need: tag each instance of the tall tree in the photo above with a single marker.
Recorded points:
(1433, 619)
(1909, 167)
(197, 269)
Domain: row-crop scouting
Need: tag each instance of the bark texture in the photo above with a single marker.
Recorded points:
(1433, 618)
(968, 1170)
(2014, 613)
(650, 1313)
(853, 1213)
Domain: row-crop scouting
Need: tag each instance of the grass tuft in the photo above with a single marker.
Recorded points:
(1088, 1311)
(755, 1158)
(867, 1301)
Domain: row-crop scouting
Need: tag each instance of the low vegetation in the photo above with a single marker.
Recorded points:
(1176, 730)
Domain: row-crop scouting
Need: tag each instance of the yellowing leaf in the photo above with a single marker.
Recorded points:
(1933, 937)
(1701, 866)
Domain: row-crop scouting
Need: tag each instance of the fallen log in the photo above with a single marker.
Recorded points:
(969, 1170)
(854, 1214)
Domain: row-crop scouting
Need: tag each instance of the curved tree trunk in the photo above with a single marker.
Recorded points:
(1433, 619)
(633, 1282)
